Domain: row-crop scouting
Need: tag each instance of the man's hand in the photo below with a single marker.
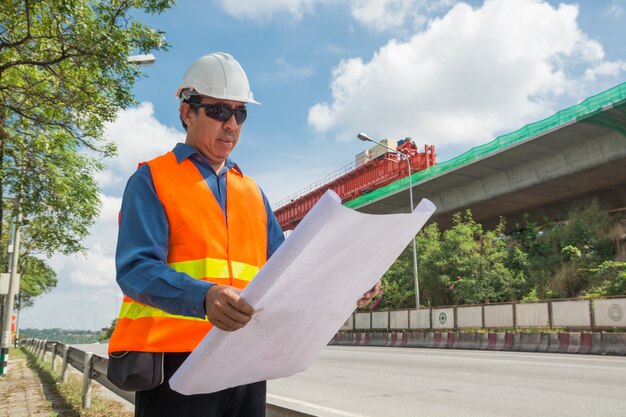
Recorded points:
(367, 297)
(226, 309)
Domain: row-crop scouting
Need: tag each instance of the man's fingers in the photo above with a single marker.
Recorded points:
(226, 309)
(227, 324)
(236, 316)
(241, 305)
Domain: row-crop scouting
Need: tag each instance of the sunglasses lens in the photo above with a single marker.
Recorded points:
(214, 112)
(223, 113)
(240, 115)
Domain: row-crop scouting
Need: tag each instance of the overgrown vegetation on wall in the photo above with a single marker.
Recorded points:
(585, 255)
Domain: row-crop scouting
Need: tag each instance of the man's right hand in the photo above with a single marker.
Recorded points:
(226, 309)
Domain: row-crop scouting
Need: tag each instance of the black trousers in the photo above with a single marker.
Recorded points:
(162, 401)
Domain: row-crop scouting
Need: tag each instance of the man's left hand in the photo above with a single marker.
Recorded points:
(367, 297)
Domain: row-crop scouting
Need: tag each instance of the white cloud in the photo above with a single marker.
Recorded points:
(396, 15)
(615, 9)
(469, 75)
(287, 72)
(384, 15)
(266, 9)
(377, 15)
(95, 268)
(605, 69)
(139, 137)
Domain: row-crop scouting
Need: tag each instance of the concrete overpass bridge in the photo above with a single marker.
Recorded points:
(542, 169)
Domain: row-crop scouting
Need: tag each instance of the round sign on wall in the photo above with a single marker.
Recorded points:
(616, 312)
(443, 318)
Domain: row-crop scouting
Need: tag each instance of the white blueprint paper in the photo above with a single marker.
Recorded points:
(302, 296)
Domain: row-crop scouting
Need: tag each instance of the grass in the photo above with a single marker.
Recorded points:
(66, 398)
(16, 353)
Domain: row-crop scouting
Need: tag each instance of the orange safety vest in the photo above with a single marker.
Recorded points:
(203, 243)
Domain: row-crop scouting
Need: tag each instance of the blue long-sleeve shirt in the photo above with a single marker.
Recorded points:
(142, 244)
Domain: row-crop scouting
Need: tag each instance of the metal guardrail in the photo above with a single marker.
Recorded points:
(94, 368)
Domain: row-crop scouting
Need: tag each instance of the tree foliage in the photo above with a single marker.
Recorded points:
(64, 73)
(561, 256)
(37, 279)
(469, 265)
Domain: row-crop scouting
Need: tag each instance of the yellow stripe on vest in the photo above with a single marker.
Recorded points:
(203, 268)
(244, 272)
(140, 311)
(215, 268)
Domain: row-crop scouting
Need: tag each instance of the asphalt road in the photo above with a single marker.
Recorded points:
(348, 381)
(371, 381)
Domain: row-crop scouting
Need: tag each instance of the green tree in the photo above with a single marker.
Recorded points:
(64, 73)
(474, 265)
(610, 278)
(433, 290)
(561, 258)
(464, 264)
(398, 288)
(106, 332)
(37, 279)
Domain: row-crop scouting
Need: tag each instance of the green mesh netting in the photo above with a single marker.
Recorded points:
(588, 111)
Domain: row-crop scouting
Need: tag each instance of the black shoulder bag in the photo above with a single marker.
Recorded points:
(135, 371)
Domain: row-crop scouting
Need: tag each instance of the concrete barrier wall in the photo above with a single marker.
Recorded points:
(571, 314)
(419, 319)
(399, 319)
(563, 342)
(469, 317)
(500, 315)
(610, 312)
(532, 315)
(380, 319)
(362, 321)
(443, 318)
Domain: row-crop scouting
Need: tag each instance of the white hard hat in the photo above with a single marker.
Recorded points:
(217, 75)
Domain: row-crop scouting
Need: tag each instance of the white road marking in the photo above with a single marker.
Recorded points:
(313, 406)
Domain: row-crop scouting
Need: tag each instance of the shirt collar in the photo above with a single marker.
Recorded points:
(184, 151)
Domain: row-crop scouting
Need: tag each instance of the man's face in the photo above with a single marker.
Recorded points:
(212, 138)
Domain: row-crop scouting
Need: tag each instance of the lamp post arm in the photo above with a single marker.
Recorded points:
(364, 137)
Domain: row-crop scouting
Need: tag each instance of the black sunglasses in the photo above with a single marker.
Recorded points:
(222, 112)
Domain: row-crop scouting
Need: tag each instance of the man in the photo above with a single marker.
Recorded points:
(194, 230)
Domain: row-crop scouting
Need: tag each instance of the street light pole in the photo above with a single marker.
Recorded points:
(14, 286)
(94, 320)
(362, 136)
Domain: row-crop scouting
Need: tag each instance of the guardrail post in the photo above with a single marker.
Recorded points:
(87, 380)
(54, 355)
(66, 357)
(43, 350)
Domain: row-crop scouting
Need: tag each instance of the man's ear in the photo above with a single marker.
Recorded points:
(185, 112)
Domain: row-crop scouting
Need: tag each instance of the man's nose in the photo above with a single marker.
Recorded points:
(231, 123)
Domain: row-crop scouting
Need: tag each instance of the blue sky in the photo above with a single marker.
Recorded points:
(447, 73)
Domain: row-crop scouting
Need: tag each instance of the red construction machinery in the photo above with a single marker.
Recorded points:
(371, 169)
